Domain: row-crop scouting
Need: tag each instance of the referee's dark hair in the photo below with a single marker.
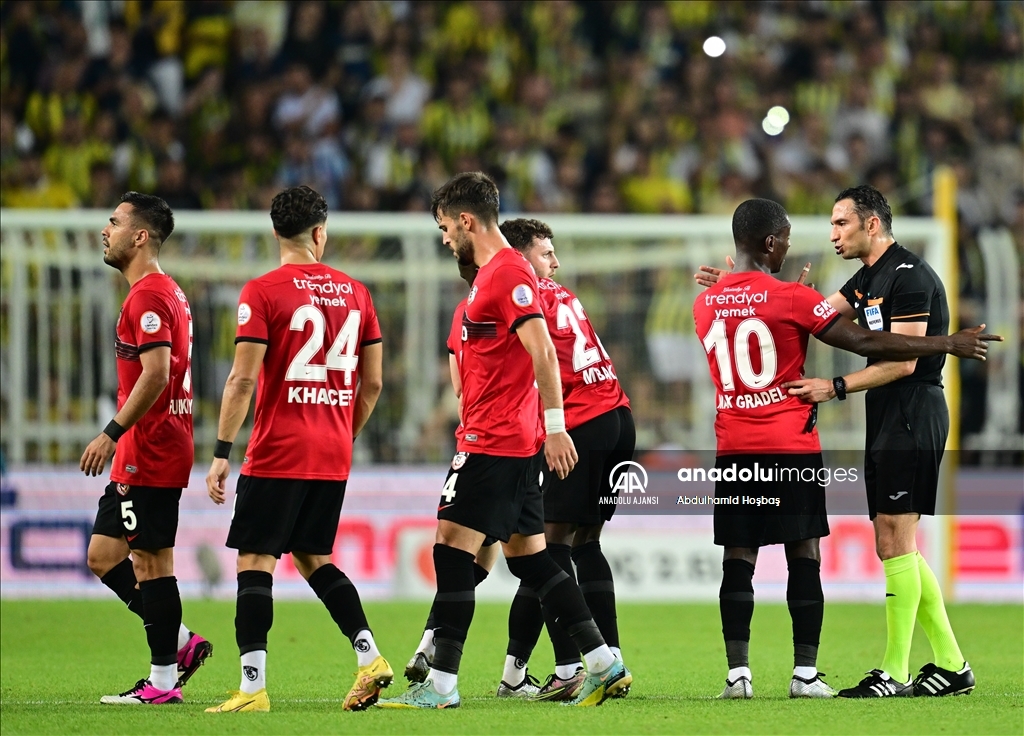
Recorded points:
(756, 219)
(296, 210)
(154, 212)
(521, 232)
(869, 202)
(470, 191)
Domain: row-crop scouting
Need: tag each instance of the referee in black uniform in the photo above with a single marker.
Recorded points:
(907, 426)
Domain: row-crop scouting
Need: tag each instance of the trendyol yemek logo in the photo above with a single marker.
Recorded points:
(628, 480)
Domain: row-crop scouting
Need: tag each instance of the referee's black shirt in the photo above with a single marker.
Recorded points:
(901, 287)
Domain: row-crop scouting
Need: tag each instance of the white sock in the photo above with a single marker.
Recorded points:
(163, 676)
(515, 671)
(444, 682)
(366, 648)
(617, 652)
(427, 643)
(805, 673)
(183, 636)
(567, 671)
(254, 671)
(737, 672)
(600, 659)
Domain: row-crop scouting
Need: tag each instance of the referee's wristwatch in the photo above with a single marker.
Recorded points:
(839, 386)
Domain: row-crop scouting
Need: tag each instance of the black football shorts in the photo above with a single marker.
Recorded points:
(798, 514)
(499, 496)
(145, 516)
(601, 444)
(907, 427)
(277, 515)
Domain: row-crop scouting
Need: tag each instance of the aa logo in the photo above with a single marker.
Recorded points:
(627, 477)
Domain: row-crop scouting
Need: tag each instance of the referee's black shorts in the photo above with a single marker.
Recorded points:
(601, 444)
(907, 426)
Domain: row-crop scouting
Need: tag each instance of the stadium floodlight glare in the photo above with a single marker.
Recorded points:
(769, 126)
(714, 46)
(778, 115)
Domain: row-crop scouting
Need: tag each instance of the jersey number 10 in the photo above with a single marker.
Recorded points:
(340, 357)
(718, 340)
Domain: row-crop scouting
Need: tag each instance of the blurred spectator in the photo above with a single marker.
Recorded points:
(405, 93)
(173, 186)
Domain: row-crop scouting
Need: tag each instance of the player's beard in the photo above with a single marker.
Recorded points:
(115, 257)
(463, 248)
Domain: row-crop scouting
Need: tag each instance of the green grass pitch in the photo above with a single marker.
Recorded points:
(59, 657)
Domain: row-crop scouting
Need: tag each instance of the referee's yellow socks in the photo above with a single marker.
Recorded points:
(935, 622)
(902, 596)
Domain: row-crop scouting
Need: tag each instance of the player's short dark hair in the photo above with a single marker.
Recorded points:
(470, 191)
(521, 232)
(756, 219)
(152, 211)
(296, 210)
(868, 202)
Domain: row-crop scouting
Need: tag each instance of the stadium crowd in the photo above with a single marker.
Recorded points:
(575, 107)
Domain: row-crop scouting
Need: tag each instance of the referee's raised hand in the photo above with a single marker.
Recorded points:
(971, 343)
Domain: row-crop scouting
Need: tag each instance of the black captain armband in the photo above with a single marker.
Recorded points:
(114, 431)
(839, 386)
(222, 449)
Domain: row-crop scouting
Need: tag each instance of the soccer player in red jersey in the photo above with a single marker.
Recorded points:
(150, 440)
(754, 329)
(493, 486)
(309, 334)
(599, 421)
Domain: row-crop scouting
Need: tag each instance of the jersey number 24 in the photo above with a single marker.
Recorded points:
(340, 357)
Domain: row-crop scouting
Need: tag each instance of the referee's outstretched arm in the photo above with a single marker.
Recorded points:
(967, 343)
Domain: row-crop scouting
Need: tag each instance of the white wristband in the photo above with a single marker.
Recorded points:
(554, 421)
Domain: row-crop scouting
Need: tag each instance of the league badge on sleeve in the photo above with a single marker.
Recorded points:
(522, 295)
(150, 322)
(244, 313)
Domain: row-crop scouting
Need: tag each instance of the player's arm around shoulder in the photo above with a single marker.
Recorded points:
(558, 448)
(233, 408)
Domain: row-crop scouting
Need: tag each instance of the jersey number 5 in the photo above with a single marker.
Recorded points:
(340, 357)
(718, 340)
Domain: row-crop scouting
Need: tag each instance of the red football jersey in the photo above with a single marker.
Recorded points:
(455, 348)
(754, 329)
(589, 384)
(314, 321)
(158, 450)
(500, 402)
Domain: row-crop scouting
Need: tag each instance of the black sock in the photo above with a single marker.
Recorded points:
(453, 605)
(559, 593)
(566, 652)
(806, 607)
(736, 602)
(254, 610)
(162, 616)
(341, 598)
(595, 577)
(121, 579)
(525, 621)
(480, 573)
